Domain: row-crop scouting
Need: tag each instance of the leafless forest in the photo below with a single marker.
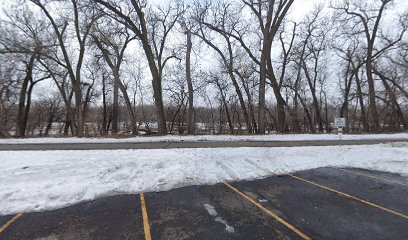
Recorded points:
(109, 67)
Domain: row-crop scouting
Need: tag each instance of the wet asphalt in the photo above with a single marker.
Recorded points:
(218, 212)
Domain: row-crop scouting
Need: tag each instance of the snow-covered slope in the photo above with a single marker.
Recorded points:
(42, 180)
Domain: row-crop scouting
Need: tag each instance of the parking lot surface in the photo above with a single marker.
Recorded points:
(323, 203)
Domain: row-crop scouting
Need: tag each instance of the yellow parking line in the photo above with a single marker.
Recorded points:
(146, 225)
(370, 176)
(351, 197)
(268, 211)
(2, 228)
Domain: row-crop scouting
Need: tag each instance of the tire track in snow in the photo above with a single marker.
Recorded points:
(262, 169)
(227, 170)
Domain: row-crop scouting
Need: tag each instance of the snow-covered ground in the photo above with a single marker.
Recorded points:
(43, 180)
(178, 138)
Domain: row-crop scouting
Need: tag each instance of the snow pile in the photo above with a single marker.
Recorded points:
(43, 180)
(210, 138)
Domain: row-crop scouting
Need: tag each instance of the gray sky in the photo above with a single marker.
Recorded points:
(299, 8)
(297, 12)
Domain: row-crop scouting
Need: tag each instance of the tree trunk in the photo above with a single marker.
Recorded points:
(104, 108)
(280, 101)
(21, 123)
(128, 105)
(250, 101)
(262, 83)
(190, 114)
(371, 94)
(115, 109)
(20, 126)
(316, 105)
(28, 104)
(395, 103)
(366, 126)
(49, 124)
(157, 87)
(227, 113)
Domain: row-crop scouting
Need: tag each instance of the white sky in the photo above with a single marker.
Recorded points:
(299, 9)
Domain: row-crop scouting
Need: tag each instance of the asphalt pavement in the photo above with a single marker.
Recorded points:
(323, 203)
(185, 144)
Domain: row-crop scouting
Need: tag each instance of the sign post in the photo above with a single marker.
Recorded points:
(340, 123)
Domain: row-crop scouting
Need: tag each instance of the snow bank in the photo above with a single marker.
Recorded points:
(43, 180)
(177, 138)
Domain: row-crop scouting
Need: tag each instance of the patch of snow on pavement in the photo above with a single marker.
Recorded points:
(211, 210)
(44, 180)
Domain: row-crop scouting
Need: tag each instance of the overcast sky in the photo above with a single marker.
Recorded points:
(297, 12)
(299, 8)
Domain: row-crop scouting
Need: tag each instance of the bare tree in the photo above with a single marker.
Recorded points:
(25, 37)
(112, 41)
(269, 16)
(312, 53)
(220, 25)
(367, 16)
(153, 32)
(83, 19)
(190, 122)
(187, 26)
(9, 85)
(222, 66)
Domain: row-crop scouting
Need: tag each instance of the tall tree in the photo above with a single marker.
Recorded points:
(190, 121)
(219, 24)
(26, 38)
(187, 26)
(83, 21)
(369, 17)
(269, 16)
(112, 40)
(153, 32)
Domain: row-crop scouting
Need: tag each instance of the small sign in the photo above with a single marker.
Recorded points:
(340, 122)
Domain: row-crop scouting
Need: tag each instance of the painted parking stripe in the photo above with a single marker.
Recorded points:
(11, 221)
(146, 226)
(269, 212)
(371, 176)
(351, 197)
